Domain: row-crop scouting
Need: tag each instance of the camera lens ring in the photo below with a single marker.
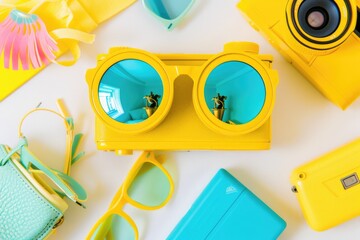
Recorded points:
(347, 11)
(319, 18)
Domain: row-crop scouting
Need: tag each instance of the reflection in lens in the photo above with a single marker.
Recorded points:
(114, 227)
(130, 91)
(167, 9)
(316, 19)
(150, 187)
(235, 92)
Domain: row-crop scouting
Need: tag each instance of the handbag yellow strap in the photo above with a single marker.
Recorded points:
(68, 185)
(71, 140)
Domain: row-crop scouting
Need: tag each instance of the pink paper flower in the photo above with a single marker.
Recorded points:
(24, 36)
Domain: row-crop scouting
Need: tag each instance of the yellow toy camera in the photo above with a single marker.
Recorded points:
(328, 188)
(319, 37)
(183, 101)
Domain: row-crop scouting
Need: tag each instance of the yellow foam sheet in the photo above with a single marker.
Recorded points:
(100, 11)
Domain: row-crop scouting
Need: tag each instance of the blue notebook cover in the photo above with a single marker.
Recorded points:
(226, 210)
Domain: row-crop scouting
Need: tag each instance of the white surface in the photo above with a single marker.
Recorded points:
(305, 125)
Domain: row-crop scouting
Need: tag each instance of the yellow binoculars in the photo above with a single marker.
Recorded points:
(183, 101)
(320, 38)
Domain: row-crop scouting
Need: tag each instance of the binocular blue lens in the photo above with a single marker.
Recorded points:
(235, 92)
(130, 91)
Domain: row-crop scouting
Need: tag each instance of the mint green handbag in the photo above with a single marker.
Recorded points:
(31, 194)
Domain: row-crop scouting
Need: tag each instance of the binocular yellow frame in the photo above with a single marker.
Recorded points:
(177, 124)
(330, 63)
(328, 188)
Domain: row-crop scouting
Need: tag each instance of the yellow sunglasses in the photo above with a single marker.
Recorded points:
(148, 186)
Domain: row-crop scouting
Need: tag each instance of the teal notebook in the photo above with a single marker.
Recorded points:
(226, 210)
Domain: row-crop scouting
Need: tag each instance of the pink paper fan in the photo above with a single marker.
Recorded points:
(24, 37)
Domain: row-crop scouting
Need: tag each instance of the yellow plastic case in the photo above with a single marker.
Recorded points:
(329, 62)
(328, 188)
(183, 121)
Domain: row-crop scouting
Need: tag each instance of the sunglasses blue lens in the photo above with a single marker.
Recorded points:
(168, 9)
(130, 91)
(150, 187)
(114, 227)
(235, 92)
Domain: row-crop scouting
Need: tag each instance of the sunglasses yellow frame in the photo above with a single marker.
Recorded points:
(121, 197)
(191, 127)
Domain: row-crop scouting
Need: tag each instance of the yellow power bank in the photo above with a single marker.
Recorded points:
(328, 188)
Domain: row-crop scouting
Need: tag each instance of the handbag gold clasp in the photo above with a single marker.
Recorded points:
(61, 220)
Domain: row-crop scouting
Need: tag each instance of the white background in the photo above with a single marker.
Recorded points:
(305, 125)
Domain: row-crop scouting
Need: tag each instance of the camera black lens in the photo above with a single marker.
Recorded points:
(319, 18)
